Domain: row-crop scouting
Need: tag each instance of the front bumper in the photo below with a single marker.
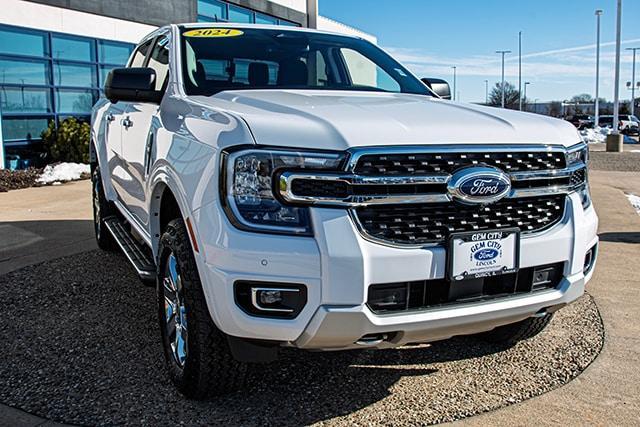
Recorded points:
(338, 265)
(344, 327)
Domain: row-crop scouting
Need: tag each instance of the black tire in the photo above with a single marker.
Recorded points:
(101, 210)
(208, 367)
(515, 332)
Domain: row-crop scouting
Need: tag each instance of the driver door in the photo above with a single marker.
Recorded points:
(138, 135)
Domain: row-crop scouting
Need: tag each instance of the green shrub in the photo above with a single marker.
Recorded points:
(69, 142)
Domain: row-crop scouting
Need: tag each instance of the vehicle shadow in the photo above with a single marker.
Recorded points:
(24, 243)
(621, 237)
(85, 324)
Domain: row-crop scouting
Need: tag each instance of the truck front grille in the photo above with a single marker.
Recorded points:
(433, 222)
(443, 162)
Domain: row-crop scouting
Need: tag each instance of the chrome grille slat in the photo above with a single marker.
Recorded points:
(428, 163)
(432, 223)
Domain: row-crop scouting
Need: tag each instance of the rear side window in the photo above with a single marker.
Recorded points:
(137, 60)
(159, 61)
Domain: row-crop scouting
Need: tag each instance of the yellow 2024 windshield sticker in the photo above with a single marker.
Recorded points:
(213, 32)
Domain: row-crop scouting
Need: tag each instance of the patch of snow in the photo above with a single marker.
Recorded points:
(63, 172)
(635, 202)
(596, 135)
(599, 135)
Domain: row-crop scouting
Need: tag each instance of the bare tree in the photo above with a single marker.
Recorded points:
(511, 96)
(625, 108)
(582, 98)
(555, 108)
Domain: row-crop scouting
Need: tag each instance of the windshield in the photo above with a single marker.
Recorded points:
(217, 59)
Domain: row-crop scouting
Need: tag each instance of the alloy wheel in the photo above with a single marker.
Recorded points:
(175, 311)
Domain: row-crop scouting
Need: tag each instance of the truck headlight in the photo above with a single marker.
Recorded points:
(578, 154)
(248, 188)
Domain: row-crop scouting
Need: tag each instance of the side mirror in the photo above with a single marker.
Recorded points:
(132, 85)
(438, 86)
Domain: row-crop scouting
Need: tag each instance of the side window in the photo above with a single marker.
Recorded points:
(364, 72)
(137, 60)
(159, 61)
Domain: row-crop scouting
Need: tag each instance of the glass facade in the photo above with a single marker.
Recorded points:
(46, 77)
(220, 11)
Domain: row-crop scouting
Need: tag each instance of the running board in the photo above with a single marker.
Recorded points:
(135, 252)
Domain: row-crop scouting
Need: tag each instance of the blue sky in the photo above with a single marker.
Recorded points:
(558, 41)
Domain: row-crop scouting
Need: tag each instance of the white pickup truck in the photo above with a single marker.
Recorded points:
(295, 188)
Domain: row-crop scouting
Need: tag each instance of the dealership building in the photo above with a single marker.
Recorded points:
(55, 54)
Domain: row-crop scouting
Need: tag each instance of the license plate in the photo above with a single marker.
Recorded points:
(480, 254)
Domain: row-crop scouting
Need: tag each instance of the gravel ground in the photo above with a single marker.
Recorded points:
(627, 161)
(82, 347)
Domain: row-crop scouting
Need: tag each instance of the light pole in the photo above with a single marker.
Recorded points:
(597, 105)
(520, 70)
(502, 52)
(616, 83)
(454, 82)
(525, 94)
(614, 139)
(633, 79)
(486, 92)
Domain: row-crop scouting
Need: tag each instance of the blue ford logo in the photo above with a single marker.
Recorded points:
(481, 185)
(486, 254)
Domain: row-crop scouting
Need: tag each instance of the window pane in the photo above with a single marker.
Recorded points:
(74, 75)
(72, 48)
(22, 43)
(23, 72)
(113, 53)
(202, 18)
(159, 61)
(29, 129)
(104, 72)
(265, 19)
(80, 118)
(287, 23)
(239, 14)
(25, 100)
(74, 101)
(212, 9)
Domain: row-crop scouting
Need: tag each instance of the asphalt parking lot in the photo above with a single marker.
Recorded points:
(86, 349)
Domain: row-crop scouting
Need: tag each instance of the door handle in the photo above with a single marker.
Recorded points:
(110, 117)
(127, 123)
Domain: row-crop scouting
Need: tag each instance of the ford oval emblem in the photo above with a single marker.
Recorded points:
(486, 254)
(479, 185)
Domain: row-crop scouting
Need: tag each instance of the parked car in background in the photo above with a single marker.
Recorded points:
(297, 188)
(627, 124)
(581, 121)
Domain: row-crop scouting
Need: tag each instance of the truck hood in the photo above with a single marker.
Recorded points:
(341, 120)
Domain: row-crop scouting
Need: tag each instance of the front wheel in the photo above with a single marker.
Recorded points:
(515, 332)
(197, 353)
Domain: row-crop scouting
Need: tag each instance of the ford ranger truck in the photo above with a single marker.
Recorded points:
(285, 187)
